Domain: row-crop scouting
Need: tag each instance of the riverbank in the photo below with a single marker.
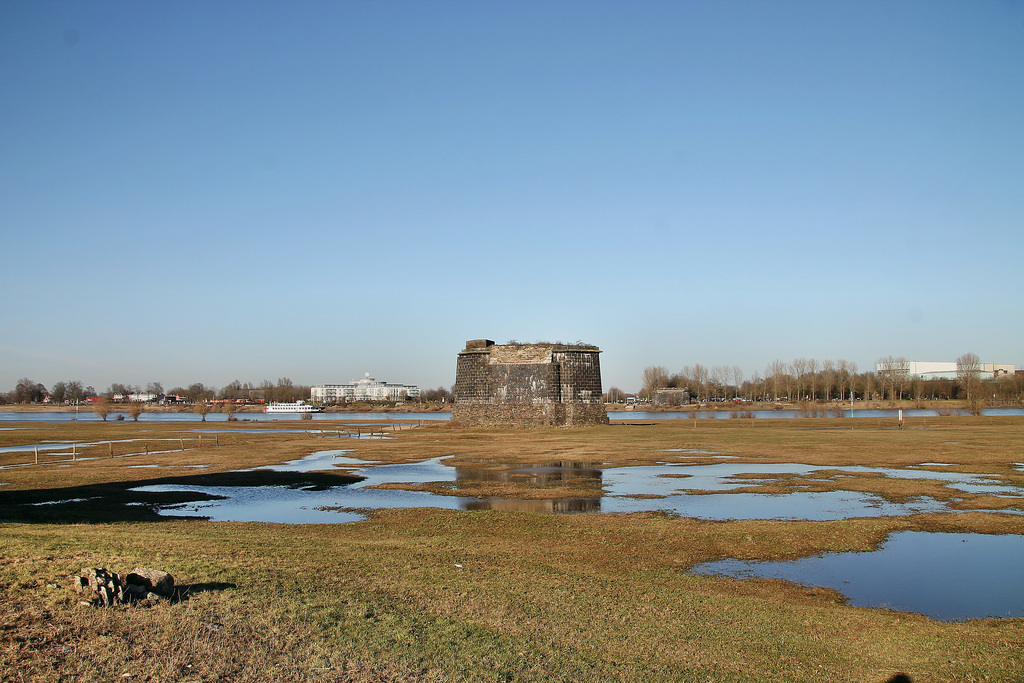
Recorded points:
(939, 406)
(180, 408)
(431, 595)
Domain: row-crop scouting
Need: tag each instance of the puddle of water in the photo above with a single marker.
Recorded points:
(300, 506)
(265, 430)
(275, 504)
(67, 446)
(660, 479)
(625, 489)
(29, 448)
(62, 502)
(422, 472)
(944, 576)
(320, 460)
(695, 451)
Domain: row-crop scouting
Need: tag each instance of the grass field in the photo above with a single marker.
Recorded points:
(438, 595)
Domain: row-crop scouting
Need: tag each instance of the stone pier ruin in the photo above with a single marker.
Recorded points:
(528, 385)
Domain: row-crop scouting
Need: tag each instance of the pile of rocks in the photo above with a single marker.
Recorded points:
(105, 588)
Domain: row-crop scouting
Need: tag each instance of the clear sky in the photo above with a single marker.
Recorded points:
(210, 191)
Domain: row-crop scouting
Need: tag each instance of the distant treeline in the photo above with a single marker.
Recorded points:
(808, 379)
(68, 392)
(28, 391)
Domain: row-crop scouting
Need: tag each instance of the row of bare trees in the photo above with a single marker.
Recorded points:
(808, 379)
(28, 391)
(803, 379)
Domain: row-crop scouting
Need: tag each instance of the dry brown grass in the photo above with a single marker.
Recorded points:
(495, 595)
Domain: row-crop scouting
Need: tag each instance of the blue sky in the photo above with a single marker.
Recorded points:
(199, 192)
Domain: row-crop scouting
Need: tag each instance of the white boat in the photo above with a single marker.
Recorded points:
(296, 407)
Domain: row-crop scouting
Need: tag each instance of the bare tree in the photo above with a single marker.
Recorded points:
(828, 371)
(702, 378)
(102, 408)
(720, 377)
(812, 374)
(776, 371)
(799, 367)
(286, 389)
(655, 377)
(758, 387)
(737, 377)
(197, 392)
(116, 392)
(27, 391)
(136, 408)
(232, 390)
(844, 376)
(893, 373)
(76, 392)
(59, 392)
(968, 374)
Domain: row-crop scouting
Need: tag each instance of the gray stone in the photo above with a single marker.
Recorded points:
(154, 580)
(105, 588)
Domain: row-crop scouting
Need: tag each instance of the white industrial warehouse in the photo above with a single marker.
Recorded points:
(921, 369)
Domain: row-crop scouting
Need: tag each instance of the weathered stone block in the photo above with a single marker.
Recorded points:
(153, 580)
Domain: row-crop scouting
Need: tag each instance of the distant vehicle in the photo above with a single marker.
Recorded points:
(296, 407)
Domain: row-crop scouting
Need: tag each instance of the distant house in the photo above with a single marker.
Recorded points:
(671, 397)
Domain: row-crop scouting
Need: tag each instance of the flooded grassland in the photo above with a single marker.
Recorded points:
(437, 553)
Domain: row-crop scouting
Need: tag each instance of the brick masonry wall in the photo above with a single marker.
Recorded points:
(529, 415)
(580, 375)
(472, 378)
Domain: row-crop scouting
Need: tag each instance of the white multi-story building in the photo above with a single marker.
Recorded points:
(365, 388)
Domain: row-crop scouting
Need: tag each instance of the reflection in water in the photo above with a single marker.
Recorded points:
(945, 576)
(537, 475)
(549, 474)
(557, 506)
